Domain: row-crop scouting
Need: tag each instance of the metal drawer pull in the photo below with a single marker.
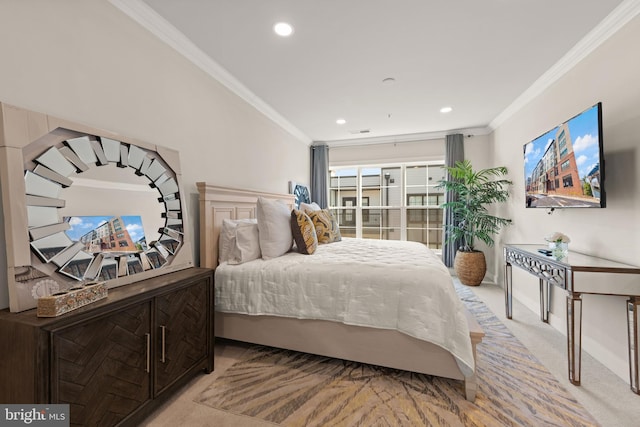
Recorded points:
(148, 352)
(163, 328)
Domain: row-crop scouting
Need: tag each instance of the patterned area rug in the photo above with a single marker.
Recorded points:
(296, 389)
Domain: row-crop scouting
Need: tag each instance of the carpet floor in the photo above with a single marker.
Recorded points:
(296, 389)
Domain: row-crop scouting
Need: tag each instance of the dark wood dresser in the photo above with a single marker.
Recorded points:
(116, 360)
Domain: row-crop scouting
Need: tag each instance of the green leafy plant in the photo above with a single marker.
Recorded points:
(475, 190)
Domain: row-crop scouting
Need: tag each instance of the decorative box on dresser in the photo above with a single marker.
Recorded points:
(116, 360)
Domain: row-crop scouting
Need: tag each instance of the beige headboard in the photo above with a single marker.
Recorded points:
(219, 203)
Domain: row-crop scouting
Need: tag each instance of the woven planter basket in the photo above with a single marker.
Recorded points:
(470, 267)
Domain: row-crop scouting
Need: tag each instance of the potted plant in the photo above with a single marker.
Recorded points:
(474, 191)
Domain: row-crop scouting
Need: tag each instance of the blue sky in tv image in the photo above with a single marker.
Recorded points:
(563, 167)
(584, 134)
(81, 225)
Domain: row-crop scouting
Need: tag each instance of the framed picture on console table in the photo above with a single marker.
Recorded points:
(124, 195)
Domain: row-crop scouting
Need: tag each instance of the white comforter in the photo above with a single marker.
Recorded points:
(376, 283)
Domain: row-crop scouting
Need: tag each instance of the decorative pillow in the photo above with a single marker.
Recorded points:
(274, 226)
(247, 244)
(304, 233)
(326, 226)
(310, 207)
(227, 240)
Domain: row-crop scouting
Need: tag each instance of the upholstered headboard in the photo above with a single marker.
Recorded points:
(219, 203)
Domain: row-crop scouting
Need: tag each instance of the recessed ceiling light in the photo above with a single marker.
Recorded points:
(389, 80)
(283, 29)
(446, 109)
(341, 121)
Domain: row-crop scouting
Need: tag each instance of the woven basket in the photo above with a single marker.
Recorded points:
(470, 267)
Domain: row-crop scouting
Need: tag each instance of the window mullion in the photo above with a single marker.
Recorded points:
(359, 205)
(403, 203)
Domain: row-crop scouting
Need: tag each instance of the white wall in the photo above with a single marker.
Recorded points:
(610, 75)
(476, 147)
(87, 62)
(401, 152)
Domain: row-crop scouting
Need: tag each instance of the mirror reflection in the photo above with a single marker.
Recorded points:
(78, 265)
(50, 246)
(108, 269)
(99, 209)
(55, 161)
(39, 216)
(36, 185)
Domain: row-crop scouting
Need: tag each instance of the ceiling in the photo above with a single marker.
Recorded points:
(478, 57)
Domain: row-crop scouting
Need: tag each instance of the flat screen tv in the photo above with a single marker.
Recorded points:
(564, 168)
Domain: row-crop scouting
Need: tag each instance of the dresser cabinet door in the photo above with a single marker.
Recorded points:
(182, 319)
(101, 368)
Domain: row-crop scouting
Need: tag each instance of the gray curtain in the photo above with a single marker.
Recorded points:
(454, 153)
(320, 174)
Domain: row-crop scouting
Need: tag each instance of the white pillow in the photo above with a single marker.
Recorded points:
(227, 240)
(274, 225)
(247, 244)
(309, 207)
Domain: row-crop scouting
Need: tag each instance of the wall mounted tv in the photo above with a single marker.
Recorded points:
(564, 168)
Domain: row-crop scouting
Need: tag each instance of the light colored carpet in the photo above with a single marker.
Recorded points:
(607, 397)
(295, 389)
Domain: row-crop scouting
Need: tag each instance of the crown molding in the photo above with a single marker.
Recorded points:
(620, 16)
(411, 137)
(144, 15)
(149, 19)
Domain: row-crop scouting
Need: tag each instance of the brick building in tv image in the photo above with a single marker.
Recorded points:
(110, 236)
(556, 173)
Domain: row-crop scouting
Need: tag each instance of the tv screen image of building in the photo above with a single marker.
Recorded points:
(564, 168)
(108, 233)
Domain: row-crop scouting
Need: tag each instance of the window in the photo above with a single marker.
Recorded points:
(343, 185)
(365, 214)
(565, 165)
(415, 200)
(391, 202)
(567, 181)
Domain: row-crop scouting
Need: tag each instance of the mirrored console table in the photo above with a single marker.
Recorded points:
(560, 272)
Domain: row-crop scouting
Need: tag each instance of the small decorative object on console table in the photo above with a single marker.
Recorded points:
(63, 302)
(559, 244)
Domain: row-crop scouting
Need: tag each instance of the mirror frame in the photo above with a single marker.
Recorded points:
(25, 136)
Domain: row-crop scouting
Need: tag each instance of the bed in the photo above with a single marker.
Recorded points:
(451, 354)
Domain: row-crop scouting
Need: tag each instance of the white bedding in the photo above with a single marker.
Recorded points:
(376, 283)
